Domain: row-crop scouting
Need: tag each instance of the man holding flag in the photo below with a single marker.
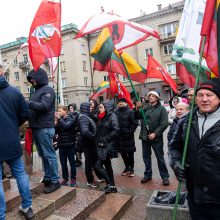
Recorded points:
(201, 170)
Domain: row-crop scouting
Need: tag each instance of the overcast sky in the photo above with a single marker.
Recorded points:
(16, 16)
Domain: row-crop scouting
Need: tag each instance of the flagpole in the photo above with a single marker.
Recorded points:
(188, 128)
(135, 93)
(58, 77)
(6, 68)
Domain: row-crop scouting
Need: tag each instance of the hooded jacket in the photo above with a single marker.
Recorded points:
(87, 127)
(13, 113)
(42, 102)
(108, 129)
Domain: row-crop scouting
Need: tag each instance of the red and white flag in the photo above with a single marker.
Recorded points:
(45, 33)
(123, 32)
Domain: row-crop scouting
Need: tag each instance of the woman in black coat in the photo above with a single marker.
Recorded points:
(126, 143)
(106, 137)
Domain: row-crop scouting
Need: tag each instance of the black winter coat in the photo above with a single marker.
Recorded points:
(42, 102)
(66, 131)
(203, 157)
(87, 131)
(13, 113)
(127, 125)
(108, 131)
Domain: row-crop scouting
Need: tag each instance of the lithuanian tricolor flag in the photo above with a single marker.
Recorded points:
(211, 29)
(103, 87)
(103, 48)
(136, 71)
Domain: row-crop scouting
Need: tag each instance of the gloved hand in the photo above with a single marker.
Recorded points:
(180, 171)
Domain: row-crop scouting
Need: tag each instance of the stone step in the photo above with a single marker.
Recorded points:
(46, 204)
(85, 202)
(113, 208)
(12, 196)
(6, 184)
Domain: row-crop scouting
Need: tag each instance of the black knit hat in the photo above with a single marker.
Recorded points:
(212, 85)
(122, 100)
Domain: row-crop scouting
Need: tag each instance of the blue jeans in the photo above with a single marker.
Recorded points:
(18, 172)
(43, 139)
(158, 150)
(68, 153)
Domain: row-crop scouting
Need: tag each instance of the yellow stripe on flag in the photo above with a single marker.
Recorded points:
(101, 39)
(131, 64)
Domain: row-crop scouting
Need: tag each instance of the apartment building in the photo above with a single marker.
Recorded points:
(77, 76)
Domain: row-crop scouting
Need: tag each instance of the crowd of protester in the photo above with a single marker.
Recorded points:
(103, 131)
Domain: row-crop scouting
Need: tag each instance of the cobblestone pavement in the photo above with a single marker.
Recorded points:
(118, 167)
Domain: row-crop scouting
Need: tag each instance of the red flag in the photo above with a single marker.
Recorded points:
(210, 29)
(28, 141)
(45, 33)
(117, 87)
(184, 75)
(155, 70)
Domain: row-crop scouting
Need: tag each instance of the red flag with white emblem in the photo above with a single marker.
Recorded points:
(155, 70)
(45, 33)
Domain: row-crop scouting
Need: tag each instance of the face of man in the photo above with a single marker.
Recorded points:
(152, 99)
(207, 101)
(181, 108)
(121, 104)
(190, 95)
(62, 112)
(33, 82)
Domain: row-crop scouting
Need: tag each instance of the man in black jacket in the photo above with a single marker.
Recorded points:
(13, 113)
(42, 108)
(201, 172)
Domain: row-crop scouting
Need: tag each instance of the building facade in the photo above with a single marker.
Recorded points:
(77, 75)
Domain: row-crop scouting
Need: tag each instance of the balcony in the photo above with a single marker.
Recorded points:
(24, 65)
(167, 38)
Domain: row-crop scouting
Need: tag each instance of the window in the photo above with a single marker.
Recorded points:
(84, 66)
(169, 30)
(26, 73)
(85, 81)
(62, 51)
(15, 61)
(105, 78)
(66, 102)
(28, 89)
(63, 66)
(16, 76)
(83, 49)
(148, 51)
(167, 49)
(63, 82)
(171, 68)
(7, 77)
(25, 58)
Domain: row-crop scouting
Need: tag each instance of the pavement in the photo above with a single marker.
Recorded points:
(118, 167)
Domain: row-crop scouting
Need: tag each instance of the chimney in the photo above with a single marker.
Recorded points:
(159, 6)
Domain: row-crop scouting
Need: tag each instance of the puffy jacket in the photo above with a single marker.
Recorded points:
(203, 158)
(108, 130)
(66, 131)
(42, 102)
(13, 113)
(87, 127)
(127, 125)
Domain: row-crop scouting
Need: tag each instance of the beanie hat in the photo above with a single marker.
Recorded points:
(212, 85)
(153, 93)
(122, 100)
